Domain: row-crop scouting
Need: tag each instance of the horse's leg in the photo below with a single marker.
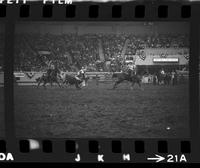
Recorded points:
(160, 81)
(44, 84)
(58, 84)
(86, 82)
(139, 83)
(116, 83)
(132, 84)
(38, 84)
(67, 83)
(63, 83)
(77, 86)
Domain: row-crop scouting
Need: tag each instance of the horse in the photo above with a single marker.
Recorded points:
(124, 76)
(167, 79)
(49, 78)
(164, 78)
(86, 78)
(161, 78)
(72, 80)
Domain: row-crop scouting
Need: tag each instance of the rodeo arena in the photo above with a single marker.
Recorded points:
(101, 80)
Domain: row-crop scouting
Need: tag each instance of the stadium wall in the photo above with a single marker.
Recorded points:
(29, 78)
(149, 54)
(25, 78)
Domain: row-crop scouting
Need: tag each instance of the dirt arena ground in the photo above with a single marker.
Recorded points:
(2, 124)
(100, 112)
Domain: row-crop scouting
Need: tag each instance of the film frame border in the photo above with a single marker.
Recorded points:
(127, 14)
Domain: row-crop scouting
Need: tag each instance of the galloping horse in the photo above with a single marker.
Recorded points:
(50, 77)
(124, 76)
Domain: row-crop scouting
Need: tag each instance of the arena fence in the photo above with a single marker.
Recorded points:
(29, 78)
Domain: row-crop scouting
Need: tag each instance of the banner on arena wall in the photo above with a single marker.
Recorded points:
(175, 60)
(19, 74)
(142, 55)
(180, 56)
(166, 52)
(186, 56)
(157, 60)
(30, 74)
(27, 77)
(44, 52)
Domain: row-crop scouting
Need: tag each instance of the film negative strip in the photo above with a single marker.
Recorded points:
(99, 82)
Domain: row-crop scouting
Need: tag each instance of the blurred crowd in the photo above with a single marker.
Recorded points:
(34, 52)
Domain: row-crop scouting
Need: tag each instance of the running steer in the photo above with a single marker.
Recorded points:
(68, 79)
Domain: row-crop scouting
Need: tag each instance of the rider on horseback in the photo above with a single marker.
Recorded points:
(162, 71)
(131, 70)
(129, 74)
(51, 76)
(49, 70)
(56, 70)
(52, 69)
(53, 73)
(81, 75)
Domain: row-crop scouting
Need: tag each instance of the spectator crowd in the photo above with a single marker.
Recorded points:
(34, 52)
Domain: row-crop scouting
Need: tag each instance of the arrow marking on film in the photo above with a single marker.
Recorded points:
(158, 158)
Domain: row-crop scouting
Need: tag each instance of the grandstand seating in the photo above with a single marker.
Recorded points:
(71, 51)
